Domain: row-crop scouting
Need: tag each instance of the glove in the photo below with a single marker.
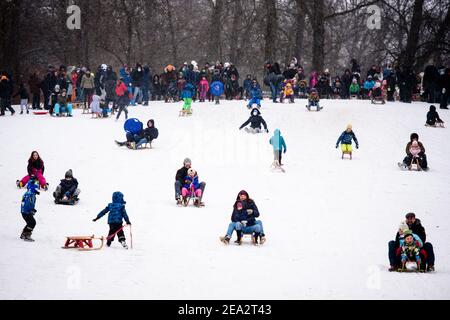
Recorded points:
(240, 128)
(95, 220)
(67, 194)
(128, 223)
(357, 146)
(285, 151)
(337, 146)
(34, 211)
(250, 211)
(267, 130)
(244, 223)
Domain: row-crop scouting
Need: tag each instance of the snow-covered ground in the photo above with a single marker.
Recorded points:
(327, 221)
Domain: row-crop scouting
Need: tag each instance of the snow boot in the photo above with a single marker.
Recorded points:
(108, 243)
(391, 269)
(239, 238)
(430, 269)
(120, 144)
(255, 237)
(124, 245)
(179, 201)
(28, 237)
(262, 239)
(225, 239)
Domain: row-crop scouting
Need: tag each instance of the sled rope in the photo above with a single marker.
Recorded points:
(114, 234)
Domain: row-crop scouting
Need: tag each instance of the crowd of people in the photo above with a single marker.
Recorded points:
(61, 88)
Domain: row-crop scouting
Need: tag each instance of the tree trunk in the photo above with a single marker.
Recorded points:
(234, 41)
(10, 35)
(214, 47)
(173, 43)
(271, 29)
(318, 26)
(300, 28)
(407, 57)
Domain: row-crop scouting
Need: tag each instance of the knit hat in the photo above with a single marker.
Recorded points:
(191, 172)
(69, 174)
(187, 161)
(407, 233)
(349, 127)
(410, 215)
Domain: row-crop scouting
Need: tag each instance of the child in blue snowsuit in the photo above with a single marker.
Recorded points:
(187, 95)
(279, 145)
(28, 210)
(117, 213)
(255, 94)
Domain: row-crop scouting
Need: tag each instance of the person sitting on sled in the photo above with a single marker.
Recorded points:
(191, 187)
(255, 95)
(243, 220)
(420, 157)
(67, 191)
(135, 141)
(35, 168)
(314, 100)
(255, 121)
(180, 179)
(28, 210)
(187, 94)
(117, 214)
(411, 250)
(287, 93)
(279, 146)
(433, 119)
(346, 141)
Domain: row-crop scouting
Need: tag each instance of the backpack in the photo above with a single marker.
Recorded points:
(28, 201)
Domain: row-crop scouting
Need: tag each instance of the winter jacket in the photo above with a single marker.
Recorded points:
(181, 174)
(430, 77)
(145, 83)
(255, 121)
(346, 138)
(417, 239)
(27, 206)
(410, 252)
(188, 91)
(247, 84)
(156, 86)
(126, 77)
(23, 93)
(137, 76)
(110, 86)
(5, 89)
(68, 186)
(204, 86)
(354, 88)
(121, 89)
(288, 91)
(37, 165)
(61, 100)
(150, 133)
(417, 229)
(243, 215)
(255, 92)
(433, 117)
(49, 83)
(189, 180)
(277, 141)
(34, 84)
(116, 210)
(369, 84)
(87, 82)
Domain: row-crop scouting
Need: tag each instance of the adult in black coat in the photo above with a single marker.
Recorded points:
(430, 83)
(180, 178)
(445, 84)
(391, 81)
(255, 121)
(110, 87)
(416, 227)
(47, 87)
(67, 191)
(6, 91)
(346, 82)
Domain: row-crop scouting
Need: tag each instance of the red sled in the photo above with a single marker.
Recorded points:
(83, 243)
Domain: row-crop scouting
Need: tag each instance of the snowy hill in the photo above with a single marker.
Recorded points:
(328, 221)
